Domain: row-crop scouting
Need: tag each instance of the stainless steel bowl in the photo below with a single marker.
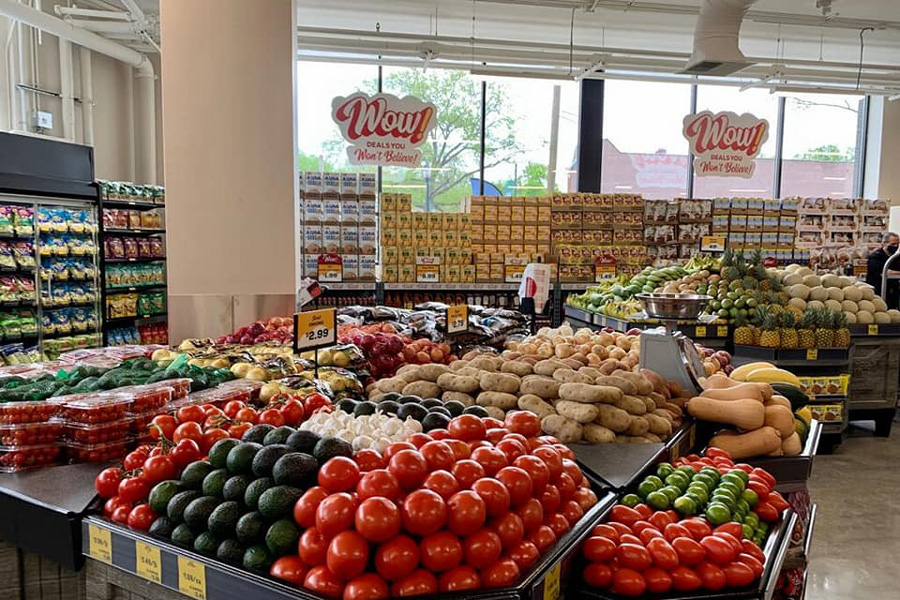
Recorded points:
(673, 306)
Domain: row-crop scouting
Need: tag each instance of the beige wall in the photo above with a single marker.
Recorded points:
(889, 176)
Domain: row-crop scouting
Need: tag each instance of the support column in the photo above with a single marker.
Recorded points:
(229, 133)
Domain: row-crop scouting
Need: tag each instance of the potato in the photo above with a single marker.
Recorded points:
(470, 372)
(432, 372)
(658, 425)
(570, 376)
(458, 383)
(516, 367)
(547, 367)
(500, 400)
(456, 365)
(598, 434)
(500, 382)
(591, 394)
(391, 384)
(591, 372)
(423, 389)
(577, 411)
(632, 405)
(640, 383)
(650, 404)
(534, 404)
(459, 397)
(510, 355)
(653, 438)
(613, 418)
(638, 426)
(664, 414)
(565, 430)
(658, 399)
(623, 439)
(485, 363)
(407, 369)
(573, 362)
(495, 413)
(617, 382)
(607, 367)
(674, 409)
(543, 387)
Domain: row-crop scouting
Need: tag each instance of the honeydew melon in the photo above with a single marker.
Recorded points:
(853, 293)
(792, 268)
(879, 304)
(851, 317)
(798, 302)
(830, 280)
(894, 314)
(814, 304)
(845, 281)
(804, 271)
(792, 279)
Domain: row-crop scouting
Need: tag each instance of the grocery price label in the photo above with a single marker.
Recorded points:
(604, 268)
(873, 329)
(148, 562)
(457, 318)
(330, 268)
(812, 354)
(722, 331)
(314, 329)
(700, 331)
(100, 543)
(712, 243)
(513, 273)
(191, 578)
(551, 582)
(428, 273)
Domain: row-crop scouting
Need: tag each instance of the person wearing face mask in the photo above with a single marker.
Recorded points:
(875, 268)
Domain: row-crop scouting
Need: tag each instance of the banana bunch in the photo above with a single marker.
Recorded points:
(702, 263)
(621, 309)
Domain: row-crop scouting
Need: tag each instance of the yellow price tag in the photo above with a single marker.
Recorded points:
(722, 331)
(700, 331)
(513, 273)
(100, 543)
(812, 354)
(873, 329)
(314, 329)
(428, 273)
(330, 273)
(148, 562)
(457, 318)
(551, 582)
(191, 578)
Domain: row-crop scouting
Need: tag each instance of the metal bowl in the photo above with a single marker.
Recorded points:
(673, 306)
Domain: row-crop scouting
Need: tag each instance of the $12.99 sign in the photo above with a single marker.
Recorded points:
(314, 329)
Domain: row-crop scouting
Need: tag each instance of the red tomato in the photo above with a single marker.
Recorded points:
(339, 474)
(762, 490)
(438, 454)
(532, 514)
(627, 538)
(689, 551)
(494, 435)
(607, 531)
(238, 430)
(778, 501)
(409, 468)
(766, 512)
(424, 512)
(492, 459)
(322, 581)
(552, 459)
(441, 551)
(535, 467)
(623, 514)
(523, 422)
(368, 460)
(738, 574)
(347, 555)
(685, 579)
(439, 434)
(106, 483)
(494, 494)
(621, 529)
(599, 549)
(733, 541)
(510, 529)
(765, 476)
(571, 468)
(717, 453)
(210, 437)
(314, 402)
(466, 513)
(248, 415)
(459, 579)
(658, 581)
(699, 528)
(732, 528)
(190, 430)
(133, 489)
(335, 514)
(460, 448)
(517, 482)
(379, 482)
(191, 412)
(676, 530)
(110, 506)
(638, 526)
(184, 453)
(467, 427)
(711, 576)
(366, 587)
(141, 517)
(500, 574)
(397, 558)
(751, 561)
(272, 417)
(419, 439)
(396, 447)
(753, 550)
(290, 569)
(467, 472)
(232, 407)
(378, 519)
(558, 523)
(542, 537)
(312, 547)
(718, 550)
(628, 582)
(663, 554)
(159, 468)
(305, 508)
(135, 459)
(441, 482)
(512, 449)
(525, 554)
(417, 583)
(598, 575)
(633, 556)
(550, 499)
(293, 412)
(163, 425)
(572, 511)
(121, 513)
(482, 549)
(492, 423)
(648, 534)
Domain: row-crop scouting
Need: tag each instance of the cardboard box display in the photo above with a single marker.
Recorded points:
(390, 255)
(313, 182)
(405, 220)
(368, 184)
(490, 214)
(391, 273)
(331, 209)
(331, 183)
(312, 239)
(367, 211)
(407, 273)
(349, 183)
(388, 237)
(406, 255)
(419, 220)
(349, 209)
(313, 210)
(450, 221)
(451, 237)
(331, 238)
(311, 265)
(349, 239)
(435, 237)
(368, 239)
(350, 266)
(404, 202)
(388, 203)
(420, 238)
(367, 265)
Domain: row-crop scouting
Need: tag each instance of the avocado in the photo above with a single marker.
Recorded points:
(162, 527)
(184, 536)
(432, 403)
(392, 396)
(230, 551)
(440, 409)
(214, 483)
(197, 512)
(161, 493)
(257, 558)
(295, 468)
(416, 411)
(348, 405)
(240, 458)
(303, 441)
(179, 502)
(279, 435)
(364, 408)
(281, 538)
(255, 490)
(329, 447)
(218, 454)
(257, 433)
(455, 407)
(223, 520)
(278, 501)
(265, 459)
(388, 407)
(478, 411)
(205, 543)
(250, 528)
(193, 475)
(236, 487)
(435, 420)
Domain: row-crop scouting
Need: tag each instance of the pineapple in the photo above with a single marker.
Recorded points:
(806, 337)
(789, 335)
(825, 331)
(841, 333)
(798, 314)
(743, 332)
(770, 336)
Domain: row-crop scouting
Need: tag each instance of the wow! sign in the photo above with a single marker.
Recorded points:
(725, 144)
(383, 129)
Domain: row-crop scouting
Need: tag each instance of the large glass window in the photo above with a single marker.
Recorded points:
(643, 149)
(760, 103)
(820, 145)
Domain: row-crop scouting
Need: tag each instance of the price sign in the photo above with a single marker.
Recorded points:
(457, 318)
(314, 329)
(331, 268)
(551, 582)
(428, 273)
(100, 543)
(722, 331)
(604, 268)
(191, 578)
(513, 273)
(812, 354)
(148, 562)
(712, 243)
(873, 329)
(700, 331)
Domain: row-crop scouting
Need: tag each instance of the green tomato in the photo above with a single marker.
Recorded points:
(747, 531)
(740, 473)
(717, 513)
(631, 500)
(658, 501)
(663, 470)
(671, 492)
(750, 497)
(685, 506)
(645, 488)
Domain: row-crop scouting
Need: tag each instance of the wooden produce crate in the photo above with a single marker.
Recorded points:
(25, 575)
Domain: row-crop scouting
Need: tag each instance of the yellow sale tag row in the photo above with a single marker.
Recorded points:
(812, 354)
(551, 582)
(457, 318)
(148, 562)
(700, 331)
(191, 578)
(100, 543)
(722, 331)
(873, 329)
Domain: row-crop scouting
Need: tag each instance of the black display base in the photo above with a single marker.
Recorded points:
(780, 357)
(883, 417)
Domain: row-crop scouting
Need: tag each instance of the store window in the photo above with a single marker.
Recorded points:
(643, 149)
(820, 145)
(760, 103)
(518, 136)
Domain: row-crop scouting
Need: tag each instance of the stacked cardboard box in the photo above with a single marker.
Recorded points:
(505, 231)
(840, 232)
(674, 228)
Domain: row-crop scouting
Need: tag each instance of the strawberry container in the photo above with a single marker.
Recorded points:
(97, 433)
(95, 408)
(81, 453)
(20, 458)
(39, 411)
(146, 398)
(30, 434)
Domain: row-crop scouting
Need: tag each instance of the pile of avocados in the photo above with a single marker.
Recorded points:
(238, 504)
(84, 380)
(432, 413)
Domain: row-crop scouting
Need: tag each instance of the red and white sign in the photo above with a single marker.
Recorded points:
(725, 144)
(383, 129)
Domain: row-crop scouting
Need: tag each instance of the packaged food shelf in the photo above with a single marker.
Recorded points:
(475, 287)
(121, 231)
(131, 204)
(142, 259)
(799, 357)
(136, 288)
(120, 321)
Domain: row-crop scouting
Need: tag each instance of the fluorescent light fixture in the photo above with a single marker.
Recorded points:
(746, 190)
(835, 178)
(623, 187)
(488, 74)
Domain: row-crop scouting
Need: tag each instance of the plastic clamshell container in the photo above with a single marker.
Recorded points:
(81, 453)
(139, 424)
(96, 433)
(37, 411)
(180, 387)
(147, 397)
(30, 434)
(95, 408)
(254, 387)
(21, 458)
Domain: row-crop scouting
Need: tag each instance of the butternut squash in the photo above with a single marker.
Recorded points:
(777, 400)
(719, 381)
(759, 442)
(791, 445)
(765, 390)
(746, 413)
(780, 418)
(738, 392)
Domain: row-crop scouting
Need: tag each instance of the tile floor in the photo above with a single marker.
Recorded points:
(856, 541)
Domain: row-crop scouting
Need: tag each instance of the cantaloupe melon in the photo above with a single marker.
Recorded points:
(851, 317)
(879, 304)
(804, 271)
(866, 306)
(835, 293)
(831, 280)
(882, 318)
(812, 280)
(845, 281)
(798, 302)
(852, 293)
(865, 317)
(792, 279)
(814, 304)
(791, 268)
(833, 305)
(818, 293)
(799, 291)
(849, 306)
(867, 292)
(894, 314)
